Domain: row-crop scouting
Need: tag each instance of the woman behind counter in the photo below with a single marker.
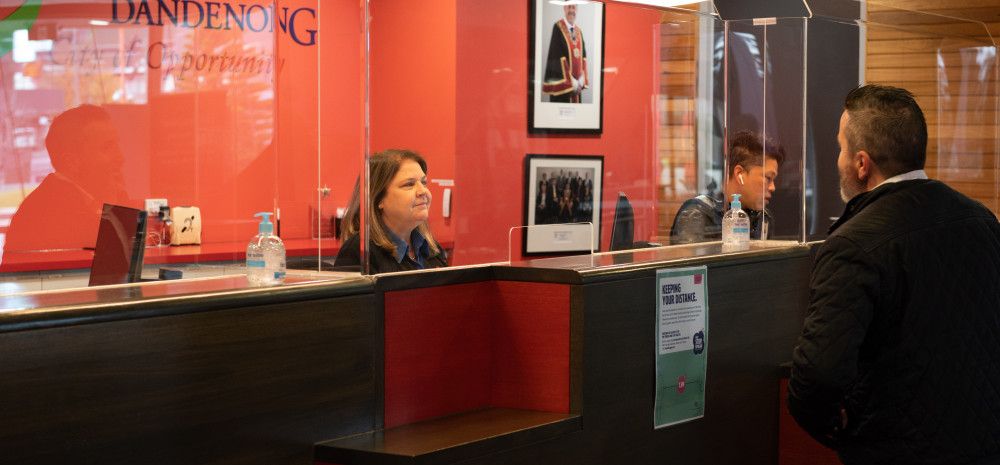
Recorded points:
(398, 232)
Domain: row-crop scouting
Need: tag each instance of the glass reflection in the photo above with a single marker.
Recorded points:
(120, 102)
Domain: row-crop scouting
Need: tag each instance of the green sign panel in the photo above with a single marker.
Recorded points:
(681, 345)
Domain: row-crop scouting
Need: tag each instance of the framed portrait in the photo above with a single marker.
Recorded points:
(561, 194)
(566, 59)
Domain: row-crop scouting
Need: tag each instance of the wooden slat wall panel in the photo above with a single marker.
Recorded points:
(909, 18)
(677, 148)
(928, 91)
(958, 30)
(961, 116)
(929, 5)
(922, 74)
(917, 45)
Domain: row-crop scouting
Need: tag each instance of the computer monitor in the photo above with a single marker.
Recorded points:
(121, 241)
(622, 230)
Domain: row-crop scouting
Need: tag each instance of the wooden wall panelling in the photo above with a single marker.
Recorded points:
(961, 109)
(676, 144)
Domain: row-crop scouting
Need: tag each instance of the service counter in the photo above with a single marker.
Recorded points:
(66, 259)
(547, 361)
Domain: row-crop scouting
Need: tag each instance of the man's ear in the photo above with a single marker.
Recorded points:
(864, 164)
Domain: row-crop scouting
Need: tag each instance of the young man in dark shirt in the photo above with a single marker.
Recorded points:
(751, 174)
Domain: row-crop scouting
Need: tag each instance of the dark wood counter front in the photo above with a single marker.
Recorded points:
(229, 376)
(546, 362)
(757, 302)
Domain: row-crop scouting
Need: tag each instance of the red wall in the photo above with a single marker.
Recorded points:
(320, 115)
(491, 116)
(448, 79)
(226, 142)
(413, 88)
(458, 95)
(316, 85)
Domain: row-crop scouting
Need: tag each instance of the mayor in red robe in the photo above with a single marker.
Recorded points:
(566, 65)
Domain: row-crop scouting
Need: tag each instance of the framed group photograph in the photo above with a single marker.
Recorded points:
(562, 193)
(565, 78)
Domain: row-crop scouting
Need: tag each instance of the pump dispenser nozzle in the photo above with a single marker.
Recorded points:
(265, 225)
(736, 204)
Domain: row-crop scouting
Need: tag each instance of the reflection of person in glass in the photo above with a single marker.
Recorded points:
(397, 230)
(566, 66)
(751, 174)
(63, 212)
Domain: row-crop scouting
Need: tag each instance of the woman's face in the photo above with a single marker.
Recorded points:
(407, 200)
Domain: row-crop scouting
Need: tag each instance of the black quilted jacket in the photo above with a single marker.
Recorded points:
(903, 331)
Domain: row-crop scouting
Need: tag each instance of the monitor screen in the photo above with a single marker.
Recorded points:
(623, 226)
(121, 240)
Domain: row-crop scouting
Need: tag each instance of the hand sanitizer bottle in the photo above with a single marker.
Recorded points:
(265, 255)
(735, 227)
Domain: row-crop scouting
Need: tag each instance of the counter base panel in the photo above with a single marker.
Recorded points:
(255, 384)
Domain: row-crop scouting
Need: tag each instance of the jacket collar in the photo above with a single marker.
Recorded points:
(864, 199)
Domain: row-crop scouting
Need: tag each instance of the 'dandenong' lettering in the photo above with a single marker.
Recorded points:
(217, 15)
(291, 25)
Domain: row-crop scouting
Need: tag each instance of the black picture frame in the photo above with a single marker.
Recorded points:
(544, 116)
(568, 233)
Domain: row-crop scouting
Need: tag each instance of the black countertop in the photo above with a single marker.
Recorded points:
(107, 303)
(46, 309)
(599, 267)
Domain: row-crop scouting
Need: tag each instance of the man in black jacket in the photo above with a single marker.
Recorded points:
(899, 359)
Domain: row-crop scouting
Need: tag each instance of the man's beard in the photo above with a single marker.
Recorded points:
(850, 185)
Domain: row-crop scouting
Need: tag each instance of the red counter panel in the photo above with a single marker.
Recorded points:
(462, 347)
